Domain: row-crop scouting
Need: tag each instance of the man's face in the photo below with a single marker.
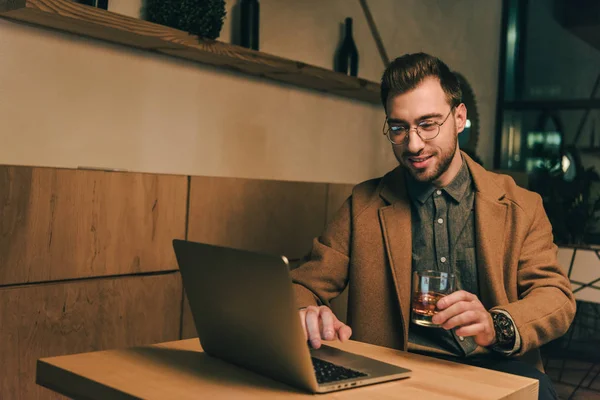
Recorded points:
(437, 160)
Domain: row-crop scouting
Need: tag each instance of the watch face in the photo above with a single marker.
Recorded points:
(505, 332)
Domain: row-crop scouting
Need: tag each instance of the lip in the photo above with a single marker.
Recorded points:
(419, 162)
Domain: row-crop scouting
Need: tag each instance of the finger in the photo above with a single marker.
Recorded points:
(303, 322)
(470, 330)
(327, 321)
(454, 298)
(462, 319)
(312, 327)
(344, 332)
(441, 317)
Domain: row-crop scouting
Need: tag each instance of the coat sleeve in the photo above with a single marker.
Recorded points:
(324, 273)
(546, 305)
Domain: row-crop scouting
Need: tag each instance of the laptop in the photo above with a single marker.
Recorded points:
(244, 311)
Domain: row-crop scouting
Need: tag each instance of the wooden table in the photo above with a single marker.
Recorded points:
(180, 370)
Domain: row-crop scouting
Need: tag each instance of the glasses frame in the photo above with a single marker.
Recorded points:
(386, 132)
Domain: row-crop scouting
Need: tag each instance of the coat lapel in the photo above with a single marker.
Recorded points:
(395, 222)
(490, 221)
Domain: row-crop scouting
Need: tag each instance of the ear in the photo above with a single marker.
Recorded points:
(460, 117)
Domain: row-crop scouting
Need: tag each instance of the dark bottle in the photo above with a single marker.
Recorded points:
(346, 60)
(95, 3)
(249, 20)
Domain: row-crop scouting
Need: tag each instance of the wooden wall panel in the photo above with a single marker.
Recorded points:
(267, 216)
(45, 320)
(59, 223)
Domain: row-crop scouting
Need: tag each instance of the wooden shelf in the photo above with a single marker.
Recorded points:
(67, 16)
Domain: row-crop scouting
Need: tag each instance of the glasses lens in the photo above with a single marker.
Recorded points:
(428, 130)
(396, 134)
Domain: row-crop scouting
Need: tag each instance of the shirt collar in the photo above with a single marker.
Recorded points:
(420, 191)
(458, 187)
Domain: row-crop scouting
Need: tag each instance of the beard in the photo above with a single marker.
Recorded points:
(433, 173)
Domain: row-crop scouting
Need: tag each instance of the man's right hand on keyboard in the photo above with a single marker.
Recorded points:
(319, 323)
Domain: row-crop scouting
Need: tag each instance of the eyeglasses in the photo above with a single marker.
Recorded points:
(427, 130)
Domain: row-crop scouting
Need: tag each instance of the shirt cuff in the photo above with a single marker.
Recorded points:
(517, 345)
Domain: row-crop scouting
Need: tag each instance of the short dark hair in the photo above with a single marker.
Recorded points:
(407, 71)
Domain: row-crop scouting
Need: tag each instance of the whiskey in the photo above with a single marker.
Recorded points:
(424, 307)
(427, 288)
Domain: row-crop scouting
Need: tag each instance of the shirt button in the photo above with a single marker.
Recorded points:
(440, 221)
(438, 192)
(443, 259)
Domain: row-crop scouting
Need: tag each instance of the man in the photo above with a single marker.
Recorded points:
(438, 210)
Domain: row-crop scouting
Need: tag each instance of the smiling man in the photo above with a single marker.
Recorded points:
(438, 210)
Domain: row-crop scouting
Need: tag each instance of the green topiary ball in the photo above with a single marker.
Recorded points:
(199, 17)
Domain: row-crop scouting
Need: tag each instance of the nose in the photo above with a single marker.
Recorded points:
(415, 143)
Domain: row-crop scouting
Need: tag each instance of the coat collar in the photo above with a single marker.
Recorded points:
(484, 182)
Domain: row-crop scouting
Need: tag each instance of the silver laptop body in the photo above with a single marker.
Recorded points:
(245, 313)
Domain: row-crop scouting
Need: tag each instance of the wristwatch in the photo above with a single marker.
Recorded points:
(505, 331)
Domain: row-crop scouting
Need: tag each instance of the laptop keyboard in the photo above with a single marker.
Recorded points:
(327, 372)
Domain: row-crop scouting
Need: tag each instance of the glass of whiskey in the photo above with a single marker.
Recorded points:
(427, 288)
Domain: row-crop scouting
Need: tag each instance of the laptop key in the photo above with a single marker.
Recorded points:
(328, 372)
